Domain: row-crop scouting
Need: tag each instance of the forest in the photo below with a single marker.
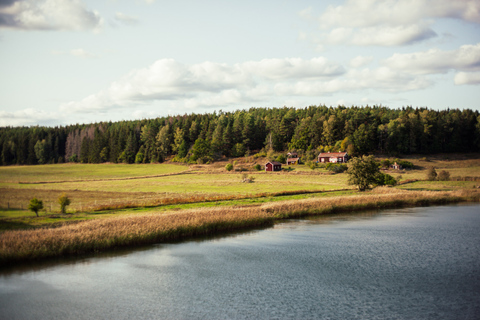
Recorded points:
(203, 138)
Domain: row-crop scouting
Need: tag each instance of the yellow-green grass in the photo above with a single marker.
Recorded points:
(202, 182)
(439, 185)
(106, 234)
(23, 219)
(74, 172)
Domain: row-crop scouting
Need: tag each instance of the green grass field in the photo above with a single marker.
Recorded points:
(74, 172)
(180, 187)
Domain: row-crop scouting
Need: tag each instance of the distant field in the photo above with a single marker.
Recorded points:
(97, 191)
(116, 186)
(73, 172)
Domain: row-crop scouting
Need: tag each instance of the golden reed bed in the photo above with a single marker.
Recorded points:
(106, 234)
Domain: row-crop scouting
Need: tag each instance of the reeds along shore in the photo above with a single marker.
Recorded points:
(104, 234)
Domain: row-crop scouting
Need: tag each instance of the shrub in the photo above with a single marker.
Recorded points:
(405, 164)
(257, 167)
(260, 154)
(311, 164)
(63, 201)
(336, 167)
(385, 179)
(229, 167)
(281, 158)
(385, 163)
(443, 176)
(431, 174)
(35, 205)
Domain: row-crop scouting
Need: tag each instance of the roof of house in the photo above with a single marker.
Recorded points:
(293, 159)
(332, 154)
(274, 163)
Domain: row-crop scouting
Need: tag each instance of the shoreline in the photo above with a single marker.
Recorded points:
(103, 235)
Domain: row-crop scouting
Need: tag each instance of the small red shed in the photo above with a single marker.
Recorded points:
(273, 166)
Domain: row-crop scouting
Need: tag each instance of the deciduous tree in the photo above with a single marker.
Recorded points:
(362, 172)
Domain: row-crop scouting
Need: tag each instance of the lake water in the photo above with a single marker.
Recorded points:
(419, 263)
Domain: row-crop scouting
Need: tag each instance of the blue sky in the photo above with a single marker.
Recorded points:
(81, 61)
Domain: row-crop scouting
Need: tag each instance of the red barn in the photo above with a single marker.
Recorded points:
(273, 166)
(340, 157)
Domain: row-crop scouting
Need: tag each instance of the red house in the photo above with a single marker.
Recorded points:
(273, 166)
(340, 157)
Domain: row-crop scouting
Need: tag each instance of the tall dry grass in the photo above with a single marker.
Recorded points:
(105, 234)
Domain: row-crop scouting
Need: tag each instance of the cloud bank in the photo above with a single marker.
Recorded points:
(48, 15)
(388, 22)
(210, 84)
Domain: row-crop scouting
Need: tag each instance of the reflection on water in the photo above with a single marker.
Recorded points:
(400, 264)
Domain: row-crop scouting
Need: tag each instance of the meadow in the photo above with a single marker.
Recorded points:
(129, 195)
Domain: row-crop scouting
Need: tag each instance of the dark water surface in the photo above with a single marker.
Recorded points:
(420, 263)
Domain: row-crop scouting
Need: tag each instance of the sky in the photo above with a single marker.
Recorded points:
(83, 61)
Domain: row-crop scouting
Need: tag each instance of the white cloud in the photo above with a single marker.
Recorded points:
(49, 15)
(389, 22)
(391, 36)
(466, 58)
(382, 79)
(293, 68)
(367, 13)
(207, 83)
(126, 19)
(27, 117)
(467, 78)
(360, 61)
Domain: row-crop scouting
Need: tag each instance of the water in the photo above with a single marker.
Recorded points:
(421, 263)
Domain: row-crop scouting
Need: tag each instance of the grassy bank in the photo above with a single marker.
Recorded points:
(106, 234)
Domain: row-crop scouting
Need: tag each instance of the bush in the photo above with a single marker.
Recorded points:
(431, 174)
(260, 154)
(336, 167)
(312, 165)
(385, 163)
(384, 179)
(257, 167)
(229, 167)
(63, 201)
(443, 176)
(281, 158)
(405, 164)
(35, 205)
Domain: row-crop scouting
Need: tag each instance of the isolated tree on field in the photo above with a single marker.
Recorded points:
(35, 205)
(363, 172)
(431, 174)
(63, 201)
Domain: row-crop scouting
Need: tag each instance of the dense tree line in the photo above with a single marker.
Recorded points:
(358, 130)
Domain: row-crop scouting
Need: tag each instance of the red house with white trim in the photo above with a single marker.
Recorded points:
(334, 157)
(273, 166)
